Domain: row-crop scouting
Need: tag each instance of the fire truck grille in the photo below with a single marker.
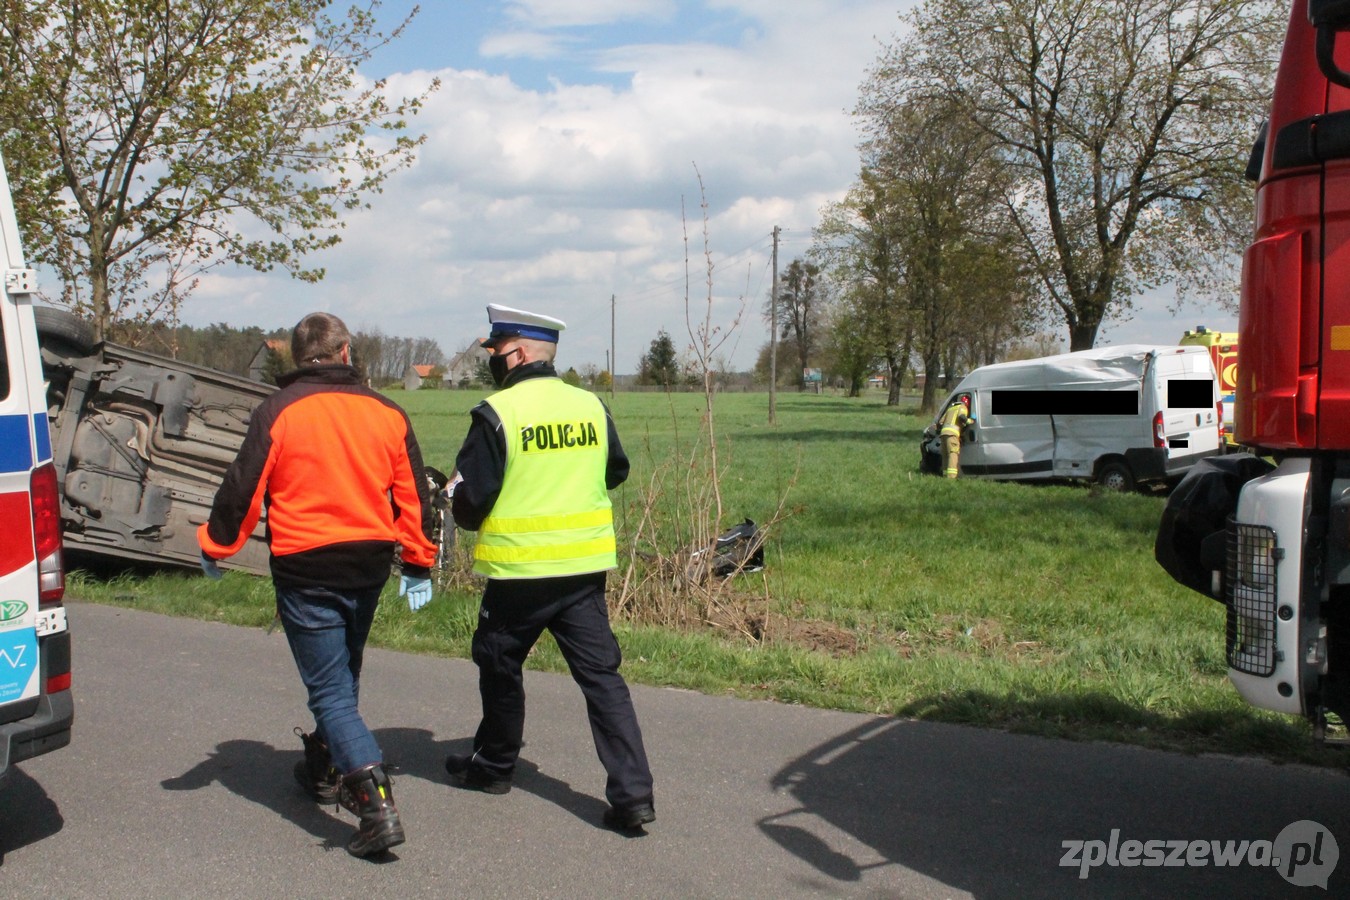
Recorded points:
(1250, 592)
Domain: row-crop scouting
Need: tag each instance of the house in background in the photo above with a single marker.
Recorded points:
(464, 367)
(413, 378)
(275, 349)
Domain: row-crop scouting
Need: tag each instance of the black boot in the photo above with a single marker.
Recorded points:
(315, 772)
(369, 793)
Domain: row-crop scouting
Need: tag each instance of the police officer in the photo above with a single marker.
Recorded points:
(954, 420)
(534, 473)
(339, 471)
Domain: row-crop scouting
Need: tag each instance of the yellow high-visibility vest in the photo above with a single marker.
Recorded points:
(553, 515)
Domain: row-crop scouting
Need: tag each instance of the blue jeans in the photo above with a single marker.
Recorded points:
(327, 631)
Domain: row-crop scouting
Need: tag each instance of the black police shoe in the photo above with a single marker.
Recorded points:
(470, 777)
(630, 818)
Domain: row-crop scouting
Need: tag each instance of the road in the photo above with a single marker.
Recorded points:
(178, 784)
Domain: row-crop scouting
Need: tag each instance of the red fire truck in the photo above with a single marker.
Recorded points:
(1272, 542)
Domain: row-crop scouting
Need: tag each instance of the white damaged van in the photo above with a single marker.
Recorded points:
(1120, 416)
(36, 709)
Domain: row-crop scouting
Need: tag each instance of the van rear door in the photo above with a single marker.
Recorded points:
(18, 559)
(1186, 413)
(36, 710)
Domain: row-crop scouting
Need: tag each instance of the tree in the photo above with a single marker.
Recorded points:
(148, 141)
(1127, 124)
(859, 240)
(660, 365)
(482, 373)
(765, 364)
(945, 179)
(572, 377)
(799, 309)
(853, 356)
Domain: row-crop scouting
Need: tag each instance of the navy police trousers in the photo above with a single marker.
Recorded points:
(514, 613)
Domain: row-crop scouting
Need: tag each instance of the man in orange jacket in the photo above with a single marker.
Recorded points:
(339, 470)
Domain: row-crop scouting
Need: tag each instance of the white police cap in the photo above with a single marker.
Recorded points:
(509, 323)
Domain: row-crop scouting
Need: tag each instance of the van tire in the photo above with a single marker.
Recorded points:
(64, 333)
(1115, 475)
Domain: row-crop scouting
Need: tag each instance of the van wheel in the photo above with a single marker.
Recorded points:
(1116, 476)
(63, 333)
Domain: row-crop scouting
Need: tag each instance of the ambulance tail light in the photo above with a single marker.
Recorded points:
(47, 535)
(1218, 411)
(1159, 434)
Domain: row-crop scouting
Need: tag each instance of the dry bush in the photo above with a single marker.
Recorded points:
(677, 575)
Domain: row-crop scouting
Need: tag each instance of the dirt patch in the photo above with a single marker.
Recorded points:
(809, 634)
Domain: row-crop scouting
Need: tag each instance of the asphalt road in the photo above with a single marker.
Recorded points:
(178, 784)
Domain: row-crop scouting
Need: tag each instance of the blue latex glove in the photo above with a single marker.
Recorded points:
(417, 588)
(210, 568)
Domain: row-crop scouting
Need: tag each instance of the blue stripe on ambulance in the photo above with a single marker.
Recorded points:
(16, 444)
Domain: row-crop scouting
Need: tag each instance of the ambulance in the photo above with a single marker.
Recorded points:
(36, 708)
(1223, 348)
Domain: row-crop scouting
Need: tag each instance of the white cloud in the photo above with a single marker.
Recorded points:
(556, 197)
(565, 13)
(523, 45)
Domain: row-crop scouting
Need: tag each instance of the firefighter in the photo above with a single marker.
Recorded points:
(536, 466)
(954, 420)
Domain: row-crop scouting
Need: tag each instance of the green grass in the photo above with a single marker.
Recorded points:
(1035, 608)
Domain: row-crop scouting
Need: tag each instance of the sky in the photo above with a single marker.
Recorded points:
(586, 158)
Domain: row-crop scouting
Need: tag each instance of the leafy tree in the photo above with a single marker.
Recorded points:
(277, 364)
(798, 308)
(860, 241)
(1127, 124)
(787, 355)
(435, 379)
(853, 354)
(148, 141)
(603, 380)
(965, 293)
(660, 365)
(571, 377)
(482, 373)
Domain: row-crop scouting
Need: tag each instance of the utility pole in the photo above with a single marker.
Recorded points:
(609, 363)
(773, 336)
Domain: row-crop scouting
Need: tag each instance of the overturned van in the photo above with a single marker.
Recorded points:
(1121, 416)
(140, 444)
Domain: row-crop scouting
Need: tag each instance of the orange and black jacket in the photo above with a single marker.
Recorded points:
(338, 469)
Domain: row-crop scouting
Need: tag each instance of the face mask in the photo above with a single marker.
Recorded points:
(498, 368)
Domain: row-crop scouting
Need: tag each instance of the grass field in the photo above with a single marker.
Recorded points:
(1033, 608)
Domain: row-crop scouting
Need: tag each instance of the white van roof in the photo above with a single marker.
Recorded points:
(1101, 367)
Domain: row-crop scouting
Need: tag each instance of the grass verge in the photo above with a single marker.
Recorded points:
(1037, 609)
